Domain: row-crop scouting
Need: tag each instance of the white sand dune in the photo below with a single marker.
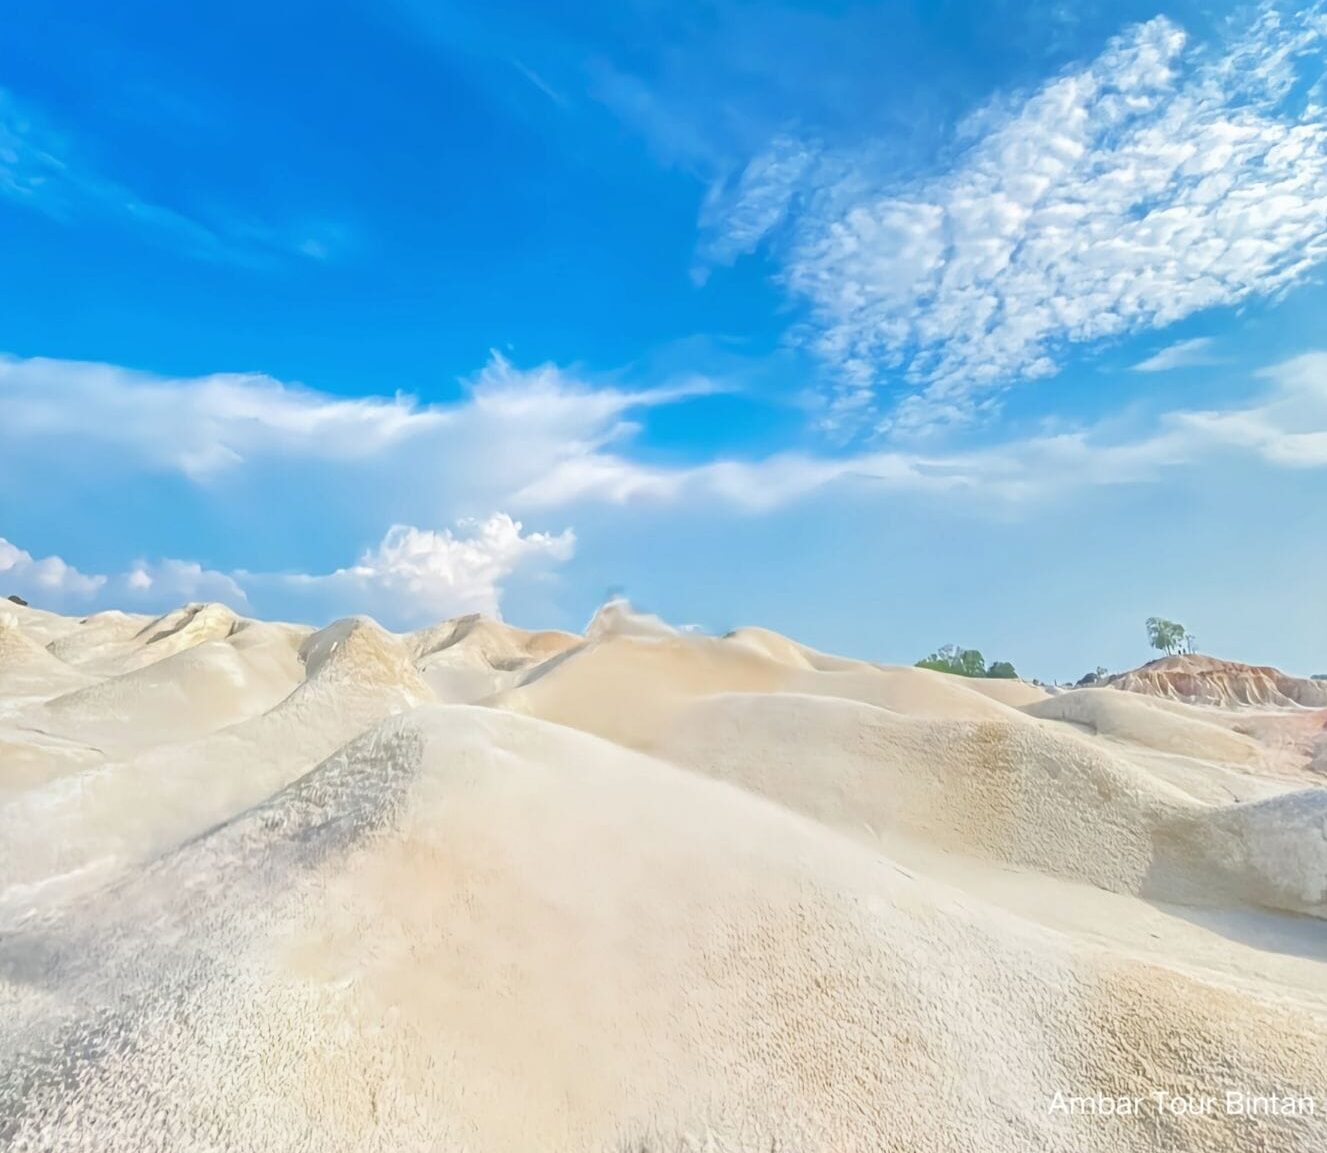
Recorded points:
(471, 658)
(1152, 723)
(479, 889)
(27, 669)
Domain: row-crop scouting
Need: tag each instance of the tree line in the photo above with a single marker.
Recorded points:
(1166, 636)
(966, 663)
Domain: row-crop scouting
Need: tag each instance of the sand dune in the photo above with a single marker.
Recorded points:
(137, 801)
(27, 669)
(642, 890)
(1147, 722)
(472, 658)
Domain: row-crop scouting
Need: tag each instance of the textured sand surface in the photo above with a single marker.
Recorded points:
(1198, 679)
(475, 888)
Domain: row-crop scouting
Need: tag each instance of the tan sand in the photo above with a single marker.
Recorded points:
(642, 891)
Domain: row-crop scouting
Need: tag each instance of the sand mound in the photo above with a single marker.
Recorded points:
(617, 618)
(1206, 680)
(27, 669)
(630, 686)
(775, 647)
(30, 759)
(90, 641)
(793, 901)
(498, 645)
(193, 624)
(471, 658)
(1010, 791)
(40, 625)
(429, 942)
(1175, 729)
(1015, 694)
(188, 693)
(85, 827)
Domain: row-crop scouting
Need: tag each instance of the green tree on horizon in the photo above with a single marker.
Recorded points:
(966, 663)
(1165, 636)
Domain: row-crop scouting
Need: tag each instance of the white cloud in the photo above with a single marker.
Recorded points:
(198, 426)
(173, 582)
(416, 575)
(522, 421)
(1182, 354)
(1288, 429)
(1285, 426)
(738, 219)
(24, 574)
(411, 575)
(540, 440)
(1154, 182)
(51, 582)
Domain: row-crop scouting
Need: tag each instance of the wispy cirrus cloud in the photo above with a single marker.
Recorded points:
(737, 221)
(1193, 353)
(1283, 426)
(1158, 180)
(42, 168)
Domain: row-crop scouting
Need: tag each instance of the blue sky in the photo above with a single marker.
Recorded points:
(882, 325)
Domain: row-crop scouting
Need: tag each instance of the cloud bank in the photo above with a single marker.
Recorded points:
(53, 583)
(410, 577)
(540, 440)
(544, 447)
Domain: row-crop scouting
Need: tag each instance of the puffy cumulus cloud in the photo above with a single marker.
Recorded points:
(1158, 180)
(51, 582)
(416, 575)
(47, 577)
(411, 575)
(172, 582)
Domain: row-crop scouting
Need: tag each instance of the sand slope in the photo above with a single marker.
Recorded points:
(655, 892)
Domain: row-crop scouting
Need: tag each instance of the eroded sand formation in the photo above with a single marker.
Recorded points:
(474, 888)
(1203, 680)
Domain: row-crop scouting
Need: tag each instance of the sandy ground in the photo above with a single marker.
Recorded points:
(475, 888)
